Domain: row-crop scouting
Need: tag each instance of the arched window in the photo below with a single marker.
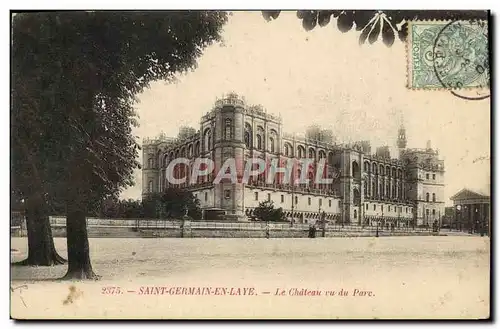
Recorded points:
(357, 196)
(171, 156)
(287, 150)
(262, 139)
(374, 189)
(150, 186)
(427, 197)
(312, 153)
(227, 129)
(322, 154)
(248, 139)
(273, 138)
(355, 214)
(381, 170)
(367, 167)
(301, 152)
(433, 197)
(259, 142)
(197, 148)
(355, 170)
(248, 135)
(433, 212)
(207, 140)
(190, 150)
(165, 160)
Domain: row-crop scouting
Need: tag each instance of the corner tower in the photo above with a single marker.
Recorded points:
(229, 143)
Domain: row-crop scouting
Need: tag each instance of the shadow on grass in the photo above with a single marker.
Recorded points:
(30, 274)
(63, 279)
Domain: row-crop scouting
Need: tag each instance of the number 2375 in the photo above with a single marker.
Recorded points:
(111, 291)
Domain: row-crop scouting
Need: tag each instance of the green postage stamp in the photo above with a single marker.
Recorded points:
(448, 55)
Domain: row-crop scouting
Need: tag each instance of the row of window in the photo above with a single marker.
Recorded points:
(433, 197)
(227, 195)
(287, 147)
(382, 170)
(207, 142)
(393, 208)
(248, 137)
(260, 144)
(433, 176)
(355, 168)
(427, 197)
(396, 190)
(427, 212)
(296, 199)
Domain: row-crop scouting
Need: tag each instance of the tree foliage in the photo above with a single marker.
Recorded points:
(373, 23)
(75, 76)
(114, 208)
(267, 212)
(172, 203)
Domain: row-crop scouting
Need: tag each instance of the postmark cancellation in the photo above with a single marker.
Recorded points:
(449, 55)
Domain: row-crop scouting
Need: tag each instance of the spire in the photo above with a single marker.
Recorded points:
(402, 137)
(401, 142)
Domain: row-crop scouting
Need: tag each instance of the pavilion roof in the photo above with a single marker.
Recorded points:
(468, 193)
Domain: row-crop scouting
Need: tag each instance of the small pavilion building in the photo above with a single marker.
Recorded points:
(472, 211)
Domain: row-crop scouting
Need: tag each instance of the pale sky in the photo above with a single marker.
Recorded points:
(324, 77)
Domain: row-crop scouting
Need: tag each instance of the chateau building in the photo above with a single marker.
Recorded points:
(366, 188)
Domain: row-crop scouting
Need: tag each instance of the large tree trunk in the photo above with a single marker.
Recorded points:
(41, 249)
(79, 266)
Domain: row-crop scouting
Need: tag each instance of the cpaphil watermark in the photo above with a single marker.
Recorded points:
(274, 171)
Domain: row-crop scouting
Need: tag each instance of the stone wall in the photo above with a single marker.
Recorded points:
(204, 229)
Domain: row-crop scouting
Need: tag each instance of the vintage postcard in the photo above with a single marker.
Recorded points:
(330, 164)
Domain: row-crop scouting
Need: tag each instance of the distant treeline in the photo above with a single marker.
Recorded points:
(172, 203)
